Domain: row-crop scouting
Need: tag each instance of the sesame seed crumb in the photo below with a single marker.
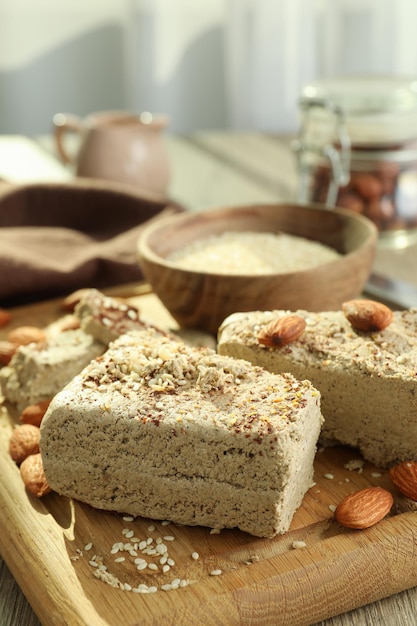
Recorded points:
(108, 578)
(88, 546)
(332, 507)
(355, 464)
(297, 545)
(141, 566)
(216, 572)
(254, 558)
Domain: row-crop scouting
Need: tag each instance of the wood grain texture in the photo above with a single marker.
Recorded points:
(263, 581)
(212, 170)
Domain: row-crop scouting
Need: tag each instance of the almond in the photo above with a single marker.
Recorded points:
(364, 508)
(34, 413)
(71, 322)
(282, 331)
(5, 317)
(7, 350)
(367, 315)
(404, 477)
(70, 302)
(33, 476)
(23, 442)
(23, 335)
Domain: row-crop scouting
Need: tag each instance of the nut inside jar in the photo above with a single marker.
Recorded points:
(382, 186)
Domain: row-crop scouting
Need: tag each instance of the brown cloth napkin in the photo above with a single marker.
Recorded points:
(55, 238)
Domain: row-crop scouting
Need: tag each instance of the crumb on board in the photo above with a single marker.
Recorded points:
(355, 465)
(150, 554)
(298, 545)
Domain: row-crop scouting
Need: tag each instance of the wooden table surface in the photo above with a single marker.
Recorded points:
(210, 170)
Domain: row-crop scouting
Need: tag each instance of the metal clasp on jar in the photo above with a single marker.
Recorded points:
(322, 137)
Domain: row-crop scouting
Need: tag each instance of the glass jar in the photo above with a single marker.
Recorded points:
(357, 148)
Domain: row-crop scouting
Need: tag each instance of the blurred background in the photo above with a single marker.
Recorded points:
(208, 64)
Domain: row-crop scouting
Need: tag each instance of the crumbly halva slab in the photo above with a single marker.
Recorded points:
(159, 429)
(38, 371)
(106, 318)
(367, 380)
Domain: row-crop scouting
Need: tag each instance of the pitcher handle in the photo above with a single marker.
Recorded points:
(64, 123)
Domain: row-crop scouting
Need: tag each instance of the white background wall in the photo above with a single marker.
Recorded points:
(206, 63)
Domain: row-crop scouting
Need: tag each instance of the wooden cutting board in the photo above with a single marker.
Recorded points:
(262, 581)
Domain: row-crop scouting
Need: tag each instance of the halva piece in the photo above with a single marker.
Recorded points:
(367, 380)
(160, 429)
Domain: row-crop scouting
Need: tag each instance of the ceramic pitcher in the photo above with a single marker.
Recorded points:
(118, 146)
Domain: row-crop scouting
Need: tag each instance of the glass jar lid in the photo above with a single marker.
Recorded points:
(376, 109)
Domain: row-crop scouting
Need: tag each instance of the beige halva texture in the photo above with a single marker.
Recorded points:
(160, 429)
(37, 372)
(106, 318)
(367, 380)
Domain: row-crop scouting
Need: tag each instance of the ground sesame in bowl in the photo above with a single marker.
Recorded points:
(252, 252)
(206, 265)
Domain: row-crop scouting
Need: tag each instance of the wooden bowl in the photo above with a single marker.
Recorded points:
(204, 299)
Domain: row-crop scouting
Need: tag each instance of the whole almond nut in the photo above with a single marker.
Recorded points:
(34, 413)
(367, 315)
(70, 323)
(23, 442)
(70, 302)
(282, 331)
(33, 476)
(24, 335)
(364, 508)
(404, 477)
(5, 317)
(7, 350)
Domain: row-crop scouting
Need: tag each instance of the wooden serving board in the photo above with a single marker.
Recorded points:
(262, 581)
